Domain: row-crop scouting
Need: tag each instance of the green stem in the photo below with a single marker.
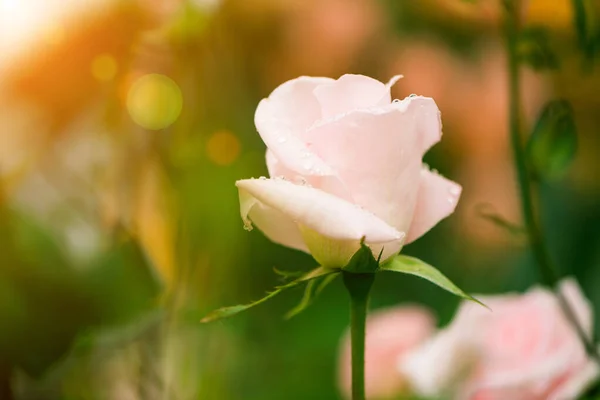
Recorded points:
(544, 263)
(359, 286)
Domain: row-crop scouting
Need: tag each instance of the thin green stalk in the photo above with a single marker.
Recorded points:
(543, 261)
(359, 286)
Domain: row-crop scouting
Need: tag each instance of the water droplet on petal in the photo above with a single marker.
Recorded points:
(262, 178)
(412, 95)
(307, 165)
(395, 101)
(248, 226)
(281, 139)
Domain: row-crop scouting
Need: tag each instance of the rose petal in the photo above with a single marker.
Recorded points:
(277, 226)
(327, 183)
(282, 139)
(393, 81)
(351, 92)
(277, 169)
(280, 120)
(319, 211)
(437, 199)
(580, 305)
(429, 121)
(294, 101)
(377, 154)
(577, 383)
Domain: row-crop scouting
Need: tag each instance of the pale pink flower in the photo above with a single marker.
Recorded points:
(345, 163)
(391, 333)
(524, 349)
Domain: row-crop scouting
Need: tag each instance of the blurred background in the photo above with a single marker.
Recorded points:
(124, 125)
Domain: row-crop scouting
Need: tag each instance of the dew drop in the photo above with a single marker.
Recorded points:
(262, 178)
(412, 95)
(248, 226)
(281, 139)
(396, 101)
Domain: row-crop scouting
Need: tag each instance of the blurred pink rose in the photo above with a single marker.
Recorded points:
(391, 334)
(523, 350)
(345, 163)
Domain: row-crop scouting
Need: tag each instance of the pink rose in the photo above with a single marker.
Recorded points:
(391, 334)
(523, 350)
(345, 163)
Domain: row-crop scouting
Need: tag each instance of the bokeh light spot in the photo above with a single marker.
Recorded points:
(154, 101)
(223, 148)
(104, 67)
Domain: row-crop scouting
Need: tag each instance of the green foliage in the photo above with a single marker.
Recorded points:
(534, 49)
(553, 142)
(592, 392)
(226, 312)
(414, 266)
(49, 303)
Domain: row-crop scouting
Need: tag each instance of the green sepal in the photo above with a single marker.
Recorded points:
(226, 312)
(363, 261)
(311, 292)
(553, 142)
(414, 266)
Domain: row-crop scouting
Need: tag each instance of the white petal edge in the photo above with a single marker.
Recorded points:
(351, 92)
(276, 226)
(437, 198)
(319, 211)
(283, 141)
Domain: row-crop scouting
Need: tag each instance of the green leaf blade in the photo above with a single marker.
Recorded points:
(230, 311)
(414, 266)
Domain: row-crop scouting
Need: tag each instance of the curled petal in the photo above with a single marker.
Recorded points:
(280, 120)
(327, 183)
(294, 102)
(351, 92)
(318, 213)
(275, 225)
(436, 199)
(283, 140)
